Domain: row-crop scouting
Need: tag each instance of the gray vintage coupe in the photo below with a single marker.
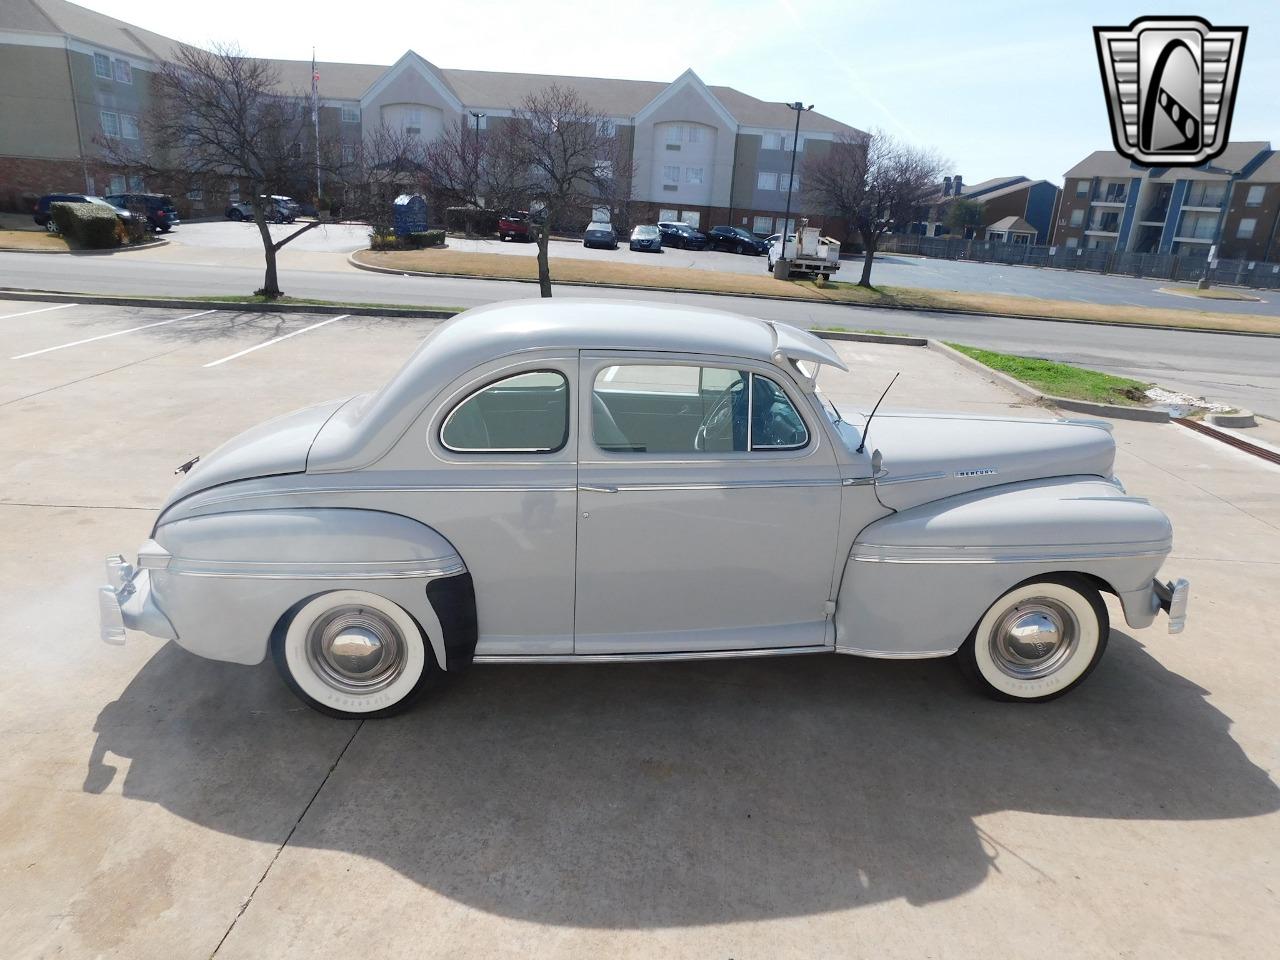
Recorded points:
(581, 481)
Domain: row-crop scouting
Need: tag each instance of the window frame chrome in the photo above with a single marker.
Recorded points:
(540, 451)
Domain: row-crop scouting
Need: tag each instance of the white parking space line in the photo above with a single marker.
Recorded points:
(104, 336)
(259, 346)
(61, 306)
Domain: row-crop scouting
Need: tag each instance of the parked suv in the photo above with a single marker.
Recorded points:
(40, 212)
(676, 233)
(737, 240)
(514, 226)
(162, 215)
(278, 209)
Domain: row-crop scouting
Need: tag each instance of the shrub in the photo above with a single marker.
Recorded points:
(90, 225)
(427, 238)
(471, 220)
(383, 241)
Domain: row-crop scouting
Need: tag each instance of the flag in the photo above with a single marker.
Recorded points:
(315, 88)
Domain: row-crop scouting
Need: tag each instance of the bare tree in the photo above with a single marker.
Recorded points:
(389, 162)
(872, 182)
(573, 160)
(219, 114)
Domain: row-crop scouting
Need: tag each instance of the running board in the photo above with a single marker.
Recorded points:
(645, 657)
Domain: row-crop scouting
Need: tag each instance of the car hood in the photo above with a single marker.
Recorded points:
(275, 447)
(928, 456)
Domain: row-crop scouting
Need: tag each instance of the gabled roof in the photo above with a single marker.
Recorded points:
(1012, 225)
(1242, 157)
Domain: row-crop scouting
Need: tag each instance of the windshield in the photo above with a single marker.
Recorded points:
(646, 231)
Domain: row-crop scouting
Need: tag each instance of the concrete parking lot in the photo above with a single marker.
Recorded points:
(156, 805)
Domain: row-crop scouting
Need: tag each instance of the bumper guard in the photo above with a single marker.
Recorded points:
(1171, 597)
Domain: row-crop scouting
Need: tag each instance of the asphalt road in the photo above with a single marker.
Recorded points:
(1243, 371)
(889, 269)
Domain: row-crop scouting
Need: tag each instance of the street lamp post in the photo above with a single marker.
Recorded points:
(478, 117)
(799, 108)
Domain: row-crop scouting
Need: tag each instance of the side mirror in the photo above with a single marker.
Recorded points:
(877, 462)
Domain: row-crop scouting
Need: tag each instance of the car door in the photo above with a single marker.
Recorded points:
(706, 522)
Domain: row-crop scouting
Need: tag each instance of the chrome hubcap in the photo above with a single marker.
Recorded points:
(355, 649)
(1034, 639)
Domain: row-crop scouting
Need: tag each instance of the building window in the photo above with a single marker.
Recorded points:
(762, 225)
(766, 181)
(1077, 216)
(670, 173)
(1245, 230)
(777, 141)
(413, 122)
(675, 133)
(233, 191)
(693, 175)
(117, 183)
(1073, 242)
(606, 128)
(1205, 195)
(1114, 192)
(667, 216)
(295, 151)
(604, 169)
(695, 134)
(124, 74)
(692, 217)
(196, 194)
(350, 114)
(110, 123)
(102, 66)
(1082, 188)
(787, 181)
(1254, 197)
(128, 126)
(348, 153)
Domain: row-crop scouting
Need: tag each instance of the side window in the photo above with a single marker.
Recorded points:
(679, 409)
(524, 413)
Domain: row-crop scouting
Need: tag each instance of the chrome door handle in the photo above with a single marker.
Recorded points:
(598, 487)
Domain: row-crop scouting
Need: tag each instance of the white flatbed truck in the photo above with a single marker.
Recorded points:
(805, 253)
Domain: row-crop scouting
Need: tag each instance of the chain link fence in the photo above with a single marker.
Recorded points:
(1157, 266)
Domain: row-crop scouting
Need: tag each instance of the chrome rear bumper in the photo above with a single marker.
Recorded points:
(126, 601)
(1171, 597)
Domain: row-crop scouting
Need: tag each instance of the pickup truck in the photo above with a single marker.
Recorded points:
(514, 226)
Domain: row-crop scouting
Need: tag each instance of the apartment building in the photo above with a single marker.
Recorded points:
(1230, 205)
(704, 154)
(1001, 198)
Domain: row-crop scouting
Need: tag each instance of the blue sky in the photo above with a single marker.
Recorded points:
(998, 88)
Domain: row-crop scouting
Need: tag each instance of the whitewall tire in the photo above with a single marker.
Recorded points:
(351, 653)
(1038, 641)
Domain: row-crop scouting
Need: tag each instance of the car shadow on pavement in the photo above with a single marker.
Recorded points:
(656, 795)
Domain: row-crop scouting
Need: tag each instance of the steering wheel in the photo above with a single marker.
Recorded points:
(718, 424)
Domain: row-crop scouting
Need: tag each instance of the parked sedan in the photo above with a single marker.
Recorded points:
(737, 240)
(278, 209)
(580, 481)
(646, 237)
(677, 234)
(600, 235)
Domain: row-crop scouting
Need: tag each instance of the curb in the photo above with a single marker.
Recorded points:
(940, 311)
(176, 303)
(1241, 418)
(895, 338)
(1109, 410)
(150, 245)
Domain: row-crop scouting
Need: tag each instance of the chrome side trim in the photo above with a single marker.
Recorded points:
(894, 654)
(321, 570)
(913, 477)
(878, 553)
(647, 657)
(713, 485)
(383, 488)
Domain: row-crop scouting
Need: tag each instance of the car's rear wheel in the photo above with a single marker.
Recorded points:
(1038, 641)
(354, 654)
(234, 214)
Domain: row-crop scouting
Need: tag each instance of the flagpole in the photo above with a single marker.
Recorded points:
(315, 121)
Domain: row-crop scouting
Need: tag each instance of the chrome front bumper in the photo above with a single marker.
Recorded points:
(1171, 597)
(126, 601)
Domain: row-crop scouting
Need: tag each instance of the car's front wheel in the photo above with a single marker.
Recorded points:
(234, 214)
(1038, 641)
(353, 654)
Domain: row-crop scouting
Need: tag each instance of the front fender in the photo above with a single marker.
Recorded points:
(224, 580)
(916, 582)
